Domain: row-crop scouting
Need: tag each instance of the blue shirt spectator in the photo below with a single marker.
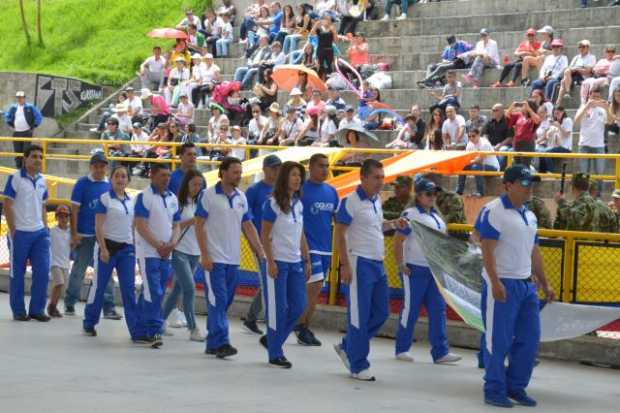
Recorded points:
(320, 201)
(451, 52)
(86, 193)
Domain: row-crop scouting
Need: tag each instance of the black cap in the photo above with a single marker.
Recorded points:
(271, 161)
(98, 157)
(451, 39)
(520, 173)
(425, 185)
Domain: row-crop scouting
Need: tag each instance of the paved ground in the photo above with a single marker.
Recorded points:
(52, 367)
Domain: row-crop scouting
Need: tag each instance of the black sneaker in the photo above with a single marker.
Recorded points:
(69, 310)
(225, 351)
(263, 342)
(90, 331)
(211, 352)
(44, 318)
(146, 341)
(112, 315)
(303, 336)
(252, 327)
(525, 82)
(313, 340)
(281, 362)
(21, 317)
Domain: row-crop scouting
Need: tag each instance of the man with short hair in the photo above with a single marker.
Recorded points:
(187, 154)
(160, 111)
(453, 130)
(188, 20)
(513, 268)
(152, 71)
(157, 232)
(195, 39)
(320, 201)
(395, 205)
(581, 214)
(478, 143)
(25, 197)
(359, 239)
(497, 129)
(134, 105)
(450, 60)
(350, 120)
(256, 195)
(222, 214)
(579, 69)
(246, 74)
(84, 199)
(23, 118)
(476, 120)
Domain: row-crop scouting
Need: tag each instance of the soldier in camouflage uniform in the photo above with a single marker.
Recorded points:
(608, 220)
(614, 205)
(450, 205)
(543, 215)
(583, 214)
(394, 206)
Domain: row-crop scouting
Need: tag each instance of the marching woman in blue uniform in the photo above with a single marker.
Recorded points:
(285, 245)
(513, 267)
(418, 284)
(114, 250)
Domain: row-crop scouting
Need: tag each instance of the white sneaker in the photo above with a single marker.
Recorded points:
(343, 356)
(196, 335)
(406, 356)
(385, 18)
(363, 375)
(402, 17)
(448, 358)
(167, 331)
(177, 319)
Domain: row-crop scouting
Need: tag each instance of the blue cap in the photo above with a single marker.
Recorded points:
(98, 157)
(520, 173)
(424, 185)
(271, 161)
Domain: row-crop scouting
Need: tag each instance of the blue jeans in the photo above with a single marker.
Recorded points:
(404, 5)
(588, 165)
(84, 259)
(246, 25)
(295, 57)
(291, 43)
(245, 75)
(184, 266)
(479, 179)
(546, 164)
(221, 46)
(548, 86)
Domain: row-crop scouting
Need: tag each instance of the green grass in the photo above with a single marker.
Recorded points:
(103, 41)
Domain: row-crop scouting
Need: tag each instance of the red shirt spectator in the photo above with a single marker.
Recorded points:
(524, 126)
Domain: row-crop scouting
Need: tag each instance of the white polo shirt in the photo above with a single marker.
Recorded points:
(286, 231)
(29, 196)
(223, 216)
(413, 252)
(592, 132)
(60, 247)
(119, 213)
(159, 210)
(364, 216)
(515, 232)
(188, 244)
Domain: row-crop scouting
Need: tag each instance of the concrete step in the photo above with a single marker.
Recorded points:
(472, 8)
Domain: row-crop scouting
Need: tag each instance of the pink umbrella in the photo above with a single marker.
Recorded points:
(167, 34)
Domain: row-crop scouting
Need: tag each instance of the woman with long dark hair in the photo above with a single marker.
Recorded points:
(325, 31)
(266, 89)
(186, 253)
(285, 275)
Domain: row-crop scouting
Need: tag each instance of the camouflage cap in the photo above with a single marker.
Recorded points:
(616, 194)
(580, 179)
(403, 181)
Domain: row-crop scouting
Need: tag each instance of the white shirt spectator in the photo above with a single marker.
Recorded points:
(238, 153)
(484, 145)
(255, 128)
(181, 75)
(321, 6)
(159, 210)
(226, 31)
(141, 136)
(195, 20)
(154, 65)
(592, 131)
(119, 213)
(223, 218)
(292, 128)
(554, 65)
(286, 231)
(124, 123)
(60, 247)
(21, 125)
(353, 123)
(580, 61)
(451, 128)
(135, 105)
(328, 129)
(29, 196)
(567, 125)
(489, 49)
(186, 111)
(188, 243)
(413, 252)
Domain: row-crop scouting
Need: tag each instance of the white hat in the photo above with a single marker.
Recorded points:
(145, 93)
(196, 56)
(121, 107)
(208, 56)
(20, 94)
(296, 92)
(179, 59)
(584, 43)
(546, 29)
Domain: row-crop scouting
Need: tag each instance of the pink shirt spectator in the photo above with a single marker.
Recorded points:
(159, 105)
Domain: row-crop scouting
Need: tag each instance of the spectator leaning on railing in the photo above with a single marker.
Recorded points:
(23, 118)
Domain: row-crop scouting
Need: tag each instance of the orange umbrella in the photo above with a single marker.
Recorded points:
(167, 34)
(287, 77)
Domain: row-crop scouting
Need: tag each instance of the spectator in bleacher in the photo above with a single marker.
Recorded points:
(539, 98)
(256, 124)
(160, 111)
(543, 127)
(210, 24)
(350, 120)
(450, 60)
(277, 15)
(291, 126)
(303, 25)
(486, 54)
(152, 70)
(216, 115)
(334, 99)
(579, 69)
(600, 73)
(434, 125)
(185, 111)
(536, 61)
(215, 33)
(614, 115)
(453, 130)
(528, 47)
(246, 74)
(316, 102)
(138, 150)
(475, 120)
(189, 18)
(134, 105)
(559, 138)
(311, 128)
(406, 135)
(277, 58)
(196, 40)
(592, 118)
(205, 76)
(113, 133)
(124, 121)
(297, 102)
(237, 138)
(357, 54)
(478, 143)
(348, 23)
(288, 23)
(329, 126)
(523, 117)
(191, 135)
(178, 81)
(450, 93)
(326, 33)
(174, 131)
(271, 129)
(552, 69)
(307, 58)
(23, 118)
(226, 37)
(266, 90)
(230, 9)
(387, 9)
(325, 7)
(180, 50)
(109, 111)
(249, 21)
(497, 129)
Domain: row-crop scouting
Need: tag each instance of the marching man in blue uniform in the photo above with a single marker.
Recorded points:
(359, 239)
(513, 266)
(24, 208)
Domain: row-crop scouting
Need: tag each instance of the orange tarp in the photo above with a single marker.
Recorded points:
(409, 163)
